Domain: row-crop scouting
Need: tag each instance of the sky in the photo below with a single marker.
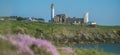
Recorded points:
(103, 12)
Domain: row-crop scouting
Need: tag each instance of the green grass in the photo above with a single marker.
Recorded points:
(6, 48)
(9, 27)
(48, 30)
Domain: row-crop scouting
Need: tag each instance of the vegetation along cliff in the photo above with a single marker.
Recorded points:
(63, 34)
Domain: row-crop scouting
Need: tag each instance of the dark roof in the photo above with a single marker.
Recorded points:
(60, 15)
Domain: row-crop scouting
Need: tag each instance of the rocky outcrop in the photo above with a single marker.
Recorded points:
(88, 38)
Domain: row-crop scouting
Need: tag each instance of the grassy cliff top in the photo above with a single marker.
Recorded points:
(12, 27)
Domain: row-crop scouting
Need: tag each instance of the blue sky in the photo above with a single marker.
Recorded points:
(104, 12)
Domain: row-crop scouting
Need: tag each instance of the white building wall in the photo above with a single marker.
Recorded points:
(52, 12)
(86, 18)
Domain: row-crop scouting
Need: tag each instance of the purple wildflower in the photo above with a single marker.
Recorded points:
(24, 42)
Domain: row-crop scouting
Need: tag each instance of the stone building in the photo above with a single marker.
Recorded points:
(74, 20)
(62, 18)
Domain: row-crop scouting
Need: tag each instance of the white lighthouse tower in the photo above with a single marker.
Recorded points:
(86, 18)
(52, 12)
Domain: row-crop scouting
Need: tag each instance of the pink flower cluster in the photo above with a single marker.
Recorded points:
(24, 42)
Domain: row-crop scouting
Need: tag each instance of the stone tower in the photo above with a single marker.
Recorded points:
(52, 12)
(86, 18)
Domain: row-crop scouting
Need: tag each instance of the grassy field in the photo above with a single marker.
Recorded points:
(32, 28)
(54, 31)
(51, 32)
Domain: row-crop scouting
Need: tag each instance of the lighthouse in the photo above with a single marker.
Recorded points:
(52, 12)
(86, 18)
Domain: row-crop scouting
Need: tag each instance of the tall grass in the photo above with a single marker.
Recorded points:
(34, 45)
(26, 45)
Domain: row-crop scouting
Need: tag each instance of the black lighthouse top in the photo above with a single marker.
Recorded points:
(52, 6)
